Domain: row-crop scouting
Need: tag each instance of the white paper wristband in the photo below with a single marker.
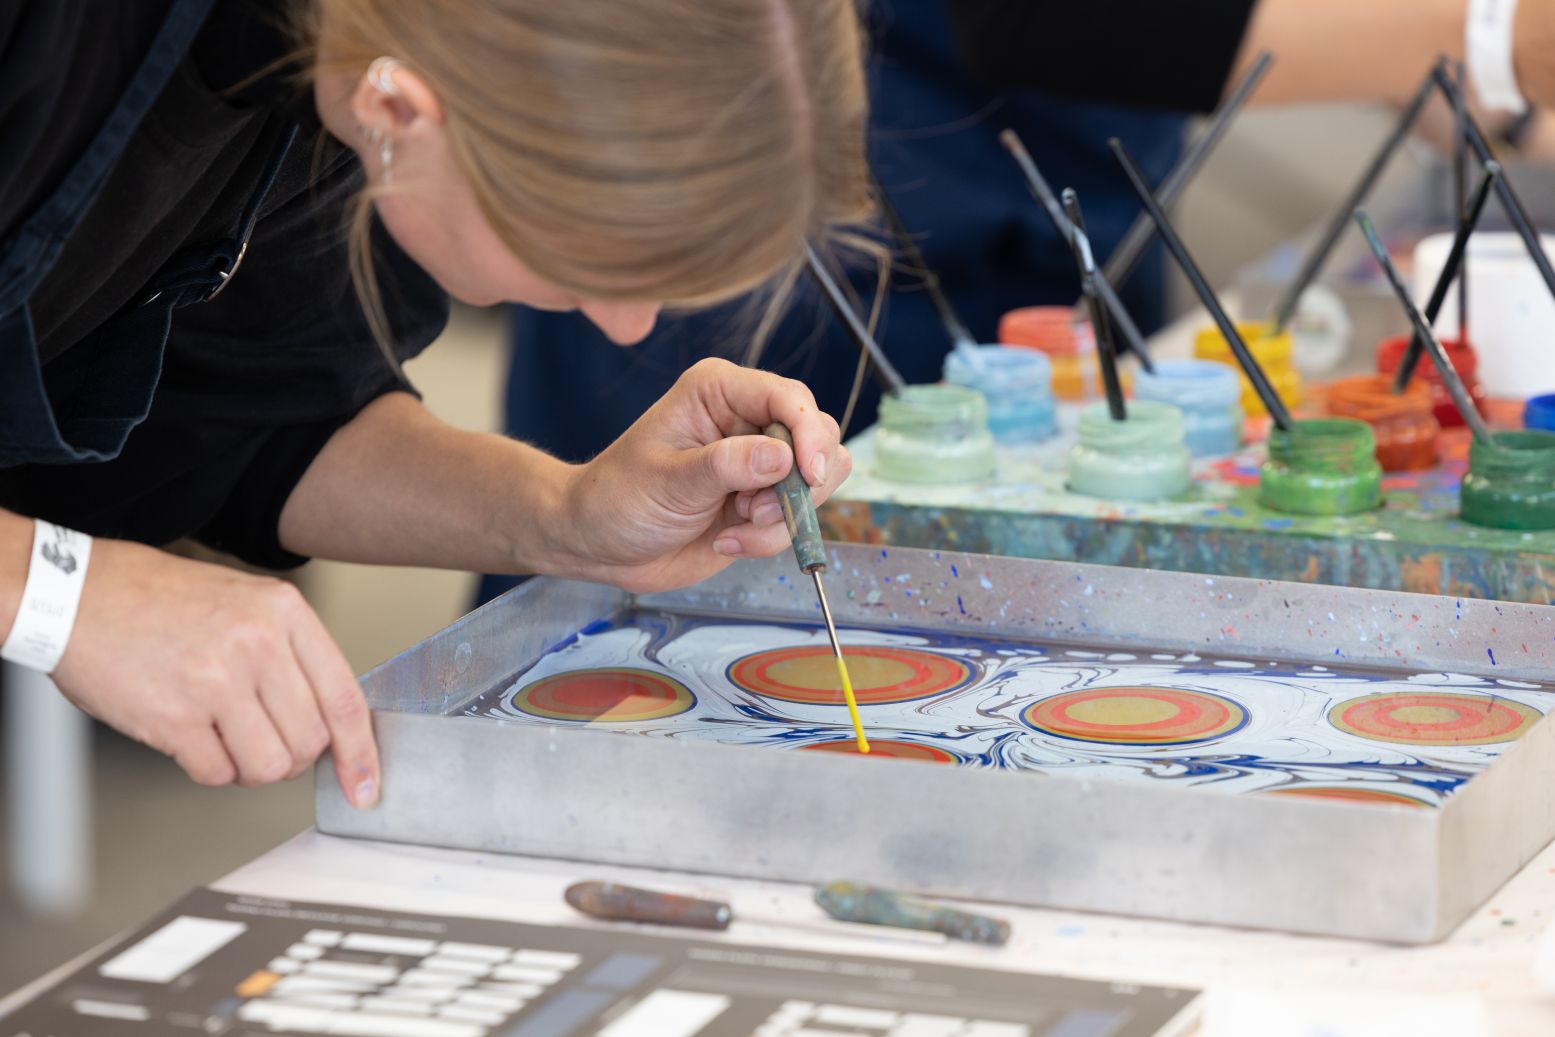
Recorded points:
(1488, 55)
(49, 600)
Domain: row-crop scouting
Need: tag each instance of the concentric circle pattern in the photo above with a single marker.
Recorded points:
(880, 674)
(891, 750)
(1433, 718)
(615, 695)
(1348, 795)
(1136, 716)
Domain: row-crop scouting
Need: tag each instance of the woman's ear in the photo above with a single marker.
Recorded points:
(391, 99)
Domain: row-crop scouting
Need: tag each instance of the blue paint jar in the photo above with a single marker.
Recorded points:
(1208, 393)
(1018, 384)
(1540, 413)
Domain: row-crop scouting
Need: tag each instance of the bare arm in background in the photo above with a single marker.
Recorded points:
(1350, 50)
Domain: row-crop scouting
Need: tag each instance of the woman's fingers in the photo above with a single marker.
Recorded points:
(289, 701)
(343, 708)
(739, 398)
(253, 743)
(745, 540)
(841, 467)
(200, 752)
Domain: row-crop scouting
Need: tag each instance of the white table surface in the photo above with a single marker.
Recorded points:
(1491, 957)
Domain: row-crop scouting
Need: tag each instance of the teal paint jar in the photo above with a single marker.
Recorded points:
(1327, 466)
(1141, 458)
(1018, 385)
(1540, 413)
(1511, 481)
(934, 434)
(1208, 393)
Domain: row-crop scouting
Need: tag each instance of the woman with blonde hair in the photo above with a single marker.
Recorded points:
(207, 282)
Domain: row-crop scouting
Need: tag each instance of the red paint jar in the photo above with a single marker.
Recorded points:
(1391, 353)
(1404, 423)
(1068, 342)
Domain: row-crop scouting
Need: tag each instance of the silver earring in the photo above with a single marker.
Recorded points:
(381, 75)
(379, 139)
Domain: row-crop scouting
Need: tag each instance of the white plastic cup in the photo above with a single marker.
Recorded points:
(1511, 312)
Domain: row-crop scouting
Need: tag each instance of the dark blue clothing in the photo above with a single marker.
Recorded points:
(934, 147)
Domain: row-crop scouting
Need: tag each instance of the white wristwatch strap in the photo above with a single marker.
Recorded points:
(1488, 55)
(49, 600)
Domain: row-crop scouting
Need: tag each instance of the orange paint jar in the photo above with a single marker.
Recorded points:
(1390, 353)
(1273, 353)
(1404, 423)
(1068, 341)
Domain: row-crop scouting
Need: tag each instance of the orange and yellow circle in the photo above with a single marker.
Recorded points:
(880, 674)
(1348, 795)
(1433, 718)
(1136, 716)
(614, 695)
(887, 748)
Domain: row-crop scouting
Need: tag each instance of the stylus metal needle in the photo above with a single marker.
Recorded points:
(804, 526)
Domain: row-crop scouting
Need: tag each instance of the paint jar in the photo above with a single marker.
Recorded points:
(1404, 424)
(1511, 481)
(1540, 413)
(1018, 385)
(1066, 339)
(1327, 466)
(1273, 353)
(1208, 393)
(1390, 353)
(1141, 458)
(1512, 321)
(934, 434)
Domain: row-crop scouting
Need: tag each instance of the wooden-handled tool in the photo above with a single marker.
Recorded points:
(804, 526)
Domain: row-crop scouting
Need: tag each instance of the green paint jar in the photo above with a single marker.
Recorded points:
(1143, 457)
(934, 434)
(1326, 466)
(1511, 481)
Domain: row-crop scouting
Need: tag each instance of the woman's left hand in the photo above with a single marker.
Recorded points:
(687, 489)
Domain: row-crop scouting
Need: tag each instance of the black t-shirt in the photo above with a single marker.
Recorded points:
(254, 381)
(1168, 54)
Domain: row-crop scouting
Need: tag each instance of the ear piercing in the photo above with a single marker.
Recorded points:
(381, 75)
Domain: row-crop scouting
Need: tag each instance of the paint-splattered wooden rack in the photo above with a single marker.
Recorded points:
(586, 792)
(1415, 542)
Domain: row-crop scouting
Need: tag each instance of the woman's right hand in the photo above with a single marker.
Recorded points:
(231, 675)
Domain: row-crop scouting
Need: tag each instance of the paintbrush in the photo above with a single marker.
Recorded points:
(1455, 386)
(1460, 187)
(1049, 202)
(1125, 257)
(1433, 307)
(890, 377)
(1513, 205)
(1106, 349)
(1285, 308)
(843, 901)
(955, 329)
(1255, 375)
